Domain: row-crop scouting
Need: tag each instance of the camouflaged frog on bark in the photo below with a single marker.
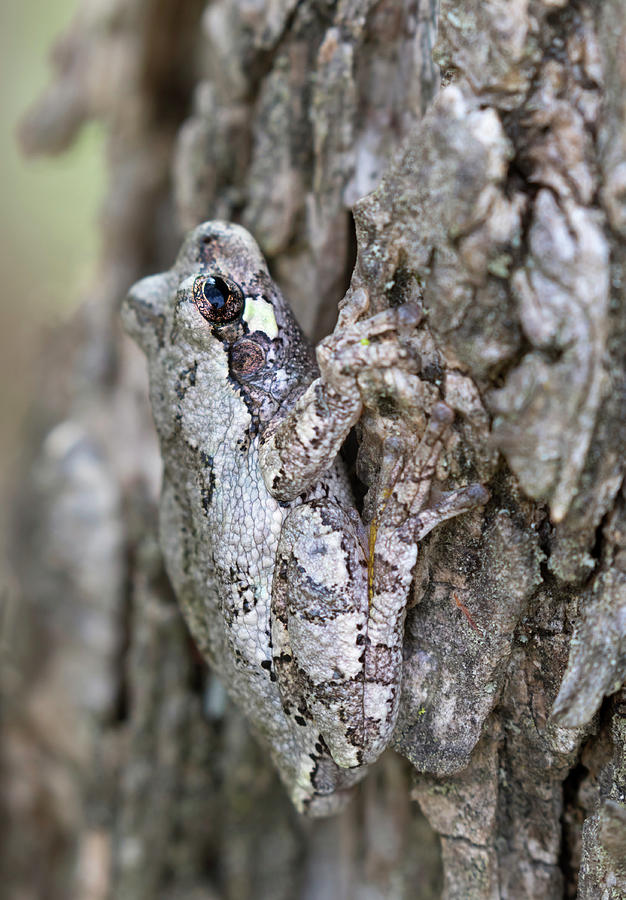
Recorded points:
(295, 602)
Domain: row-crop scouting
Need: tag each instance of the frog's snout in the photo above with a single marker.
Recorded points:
(143, 311)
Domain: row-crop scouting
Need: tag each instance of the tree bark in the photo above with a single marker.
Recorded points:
(492, 190)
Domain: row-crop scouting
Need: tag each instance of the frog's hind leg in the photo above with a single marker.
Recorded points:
(337, 620)
(319, 626)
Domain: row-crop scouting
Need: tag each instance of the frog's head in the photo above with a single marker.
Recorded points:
(219, 302)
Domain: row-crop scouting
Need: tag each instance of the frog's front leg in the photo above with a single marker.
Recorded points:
(297, 450)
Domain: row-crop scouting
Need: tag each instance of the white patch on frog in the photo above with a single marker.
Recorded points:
(323, 652)
(259, 316)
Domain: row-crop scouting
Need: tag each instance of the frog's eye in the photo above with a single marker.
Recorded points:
(219, 300)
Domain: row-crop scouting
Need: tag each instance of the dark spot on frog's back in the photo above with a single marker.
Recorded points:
(207, 476)
(186, 379)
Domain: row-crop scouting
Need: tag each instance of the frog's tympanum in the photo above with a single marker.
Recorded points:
(296, 603)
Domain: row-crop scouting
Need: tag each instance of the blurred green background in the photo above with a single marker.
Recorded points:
(49, 239)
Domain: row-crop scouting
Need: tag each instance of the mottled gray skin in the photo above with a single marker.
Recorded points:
(287, 595)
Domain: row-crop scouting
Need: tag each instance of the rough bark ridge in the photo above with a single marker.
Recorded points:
(499, 202)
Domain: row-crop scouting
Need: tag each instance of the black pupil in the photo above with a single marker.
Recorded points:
(215, 292)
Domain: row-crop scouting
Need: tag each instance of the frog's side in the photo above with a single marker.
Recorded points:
(261, 540)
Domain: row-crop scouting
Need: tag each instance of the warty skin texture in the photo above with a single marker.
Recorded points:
(287, 595)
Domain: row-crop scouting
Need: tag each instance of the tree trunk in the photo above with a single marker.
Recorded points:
(497, 201)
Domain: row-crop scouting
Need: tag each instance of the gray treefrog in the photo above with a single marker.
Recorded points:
(296, 603)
